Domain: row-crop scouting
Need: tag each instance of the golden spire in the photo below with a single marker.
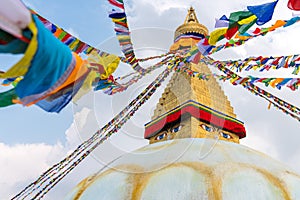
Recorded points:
(191, 25)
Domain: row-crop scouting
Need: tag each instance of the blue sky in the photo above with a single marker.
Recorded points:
(35, 139)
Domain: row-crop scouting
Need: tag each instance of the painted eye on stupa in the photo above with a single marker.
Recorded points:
(207, 128)
(224, 135)
(176, 129)
(161, 136)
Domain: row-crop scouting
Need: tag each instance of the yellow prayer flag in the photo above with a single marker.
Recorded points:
(109, 62)
(118, 20)
(73, 44)
(247, 20)
(232, 80)
(123, 37)
(216, 35)
(86, 86)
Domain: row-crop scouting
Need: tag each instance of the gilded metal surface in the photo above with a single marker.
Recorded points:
(191, 25)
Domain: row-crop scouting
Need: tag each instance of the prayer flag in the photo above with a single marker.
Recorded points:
(263, 12)
(294, 4)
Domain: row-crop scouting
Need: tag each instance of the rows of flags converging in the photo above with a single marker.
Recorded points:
(51, 72)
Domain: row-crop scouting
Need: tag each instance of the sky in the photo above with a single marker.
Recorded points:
(32, 140)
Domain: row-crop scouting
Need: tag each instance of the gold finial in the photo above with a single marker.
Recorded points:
(191, 17)
(191, 25)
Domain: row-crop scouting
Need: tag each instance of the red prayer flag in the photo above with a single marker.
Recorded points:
(256, 31)
(115, 3)
(294, 4)
(231, 32)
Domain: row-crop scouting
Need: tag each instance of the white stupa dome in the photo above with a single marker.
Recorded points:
(191, 168)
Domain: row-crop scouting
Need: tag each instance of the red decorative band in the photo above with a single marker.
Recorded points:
(202, 113)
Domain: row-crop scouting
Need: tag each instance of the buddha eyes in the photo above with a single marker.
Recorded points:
(212, 129)
(164, 134)
(207, 128)
(224, 135)
(161, 136)
(176, 129)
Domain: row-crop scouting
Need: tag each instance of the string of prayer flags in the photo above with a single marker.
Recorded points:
(117, 87)
(262, 64)
(230, 73)
(123, 34)
(75, 44)
(104, 84)
(292, 83)
(49, 74)
(188, 71)
(154, 57)
(204, 47)
(241, 21)
(238, 26)
(240, 39)
(254, 90)
(39, 188)
(111, 86)
(248, 83)
(263, 12)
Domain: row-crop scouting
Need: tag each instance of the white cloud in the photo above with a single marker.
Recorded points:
(22, 163)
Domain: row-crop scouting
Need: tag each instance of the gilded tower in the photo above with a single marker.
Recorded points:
(189, 106)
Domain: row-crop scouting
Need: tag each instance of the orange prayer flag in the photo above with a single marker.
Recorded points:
(278, 23)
